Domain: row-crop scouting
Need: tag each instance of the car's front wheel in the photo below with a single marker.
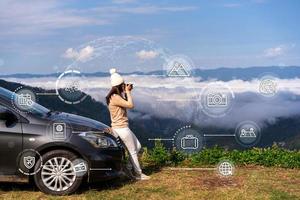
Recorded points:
(57, 175)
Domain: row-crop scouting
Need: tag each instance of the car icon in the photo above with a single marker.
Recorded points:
(44, 146)
(248, 133)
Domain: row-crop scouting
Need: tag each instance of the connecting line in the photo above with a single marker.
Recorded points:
(46, 94)
(97, 132)
(177, 100)
(219, 135)
(100, 169)
(190, 169)
(160, 139)
(77, 132)
(145, 75)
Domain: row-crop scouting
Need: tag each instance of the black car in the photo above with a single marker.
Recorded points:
(57, 150)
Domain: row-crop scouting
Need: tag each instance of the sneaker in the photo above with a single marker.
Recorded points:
(142, 177)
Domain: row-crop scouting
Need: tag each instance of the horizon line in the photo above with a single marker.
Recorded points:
(125, 73)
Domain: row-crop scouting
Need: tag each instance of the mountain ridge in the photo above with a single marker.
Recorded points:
(224, 74)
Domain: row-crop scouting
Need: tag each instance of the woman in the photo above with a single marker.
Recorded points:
(118, 100)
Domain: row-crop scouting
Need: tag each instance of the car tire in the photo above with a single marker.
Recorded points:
(61, 180)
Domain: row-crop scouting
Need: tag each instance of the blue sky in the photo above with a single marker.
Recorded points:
(35, 35)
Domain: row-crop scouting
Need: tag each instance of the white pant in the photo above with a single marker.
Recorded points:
(133, 146)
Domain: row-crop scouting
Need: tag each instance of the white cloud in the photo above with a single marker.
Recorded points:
(123, 1)
(232, 5)
(145, 55)
(278, 51)
(152, 96)
(70, 53)
(83, 55)
(27, 17)
(259, 1)
(143, 9)
(46, 17)
(275, 52)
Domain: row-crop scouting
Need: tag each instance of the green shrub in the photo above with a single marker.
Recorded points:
(271, 156)
(159, 155)
(177, 157)
(209, 156)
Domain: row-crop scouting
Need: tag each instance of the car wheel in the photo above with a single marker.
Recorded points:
(57, 175)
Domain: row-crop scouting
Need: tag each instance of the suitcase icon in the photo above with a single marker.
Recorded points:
(189, 142)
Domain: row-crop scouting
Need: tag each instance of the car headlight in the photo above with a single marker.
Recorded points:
(98, 140)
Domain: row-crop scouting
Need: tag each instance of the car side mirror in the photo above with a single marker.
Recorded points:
(10, 118)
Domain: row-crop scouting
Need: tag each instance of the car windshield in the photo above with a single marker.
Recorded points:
(38, 109)
(35, 108)
(4, 93)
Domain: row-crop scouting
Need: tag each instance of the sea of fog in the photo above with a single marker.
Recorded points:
(176, 98)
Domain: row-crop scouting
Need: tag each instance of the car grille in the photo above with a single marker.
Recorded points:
(119, 142)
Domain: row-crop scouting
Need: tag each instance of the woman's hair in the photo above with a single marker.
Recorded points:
(114, 90)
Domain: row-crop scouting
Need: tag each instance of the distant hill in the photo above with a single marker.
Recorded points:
(224, 74)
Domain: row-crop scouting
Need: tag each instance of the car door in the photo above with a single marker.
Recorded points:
(10, 140)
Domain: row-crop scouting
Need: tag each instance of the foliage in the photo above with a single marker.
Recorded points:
(271, 156)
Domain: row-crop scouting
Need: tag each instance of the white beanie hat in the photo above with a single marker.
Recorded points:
(115, 78)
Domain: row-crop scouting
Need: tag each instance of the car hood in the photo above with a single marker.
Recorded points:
(78, 123)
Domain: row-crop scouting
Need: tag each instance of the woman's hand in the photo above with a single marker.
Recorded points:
(128, 87)
(108, 130)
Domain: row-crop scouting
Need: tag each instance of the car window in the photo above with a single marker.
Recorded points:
(5, 93)
(39, 110)
(2, 108)
(35, 109)
(3, 113)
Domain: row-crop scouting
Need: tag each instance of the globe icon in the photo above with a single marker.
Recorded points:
(225, 168)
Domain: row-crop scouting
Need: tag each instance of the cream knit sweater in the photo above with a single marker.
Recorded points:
(117, 108)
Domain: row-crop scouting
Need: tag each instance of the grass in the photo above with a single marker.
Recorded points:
(247, 183)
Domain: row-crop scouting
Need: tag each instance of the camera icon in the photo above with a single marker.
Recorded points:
(217, 100)
(59, 131)
(189, 142)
